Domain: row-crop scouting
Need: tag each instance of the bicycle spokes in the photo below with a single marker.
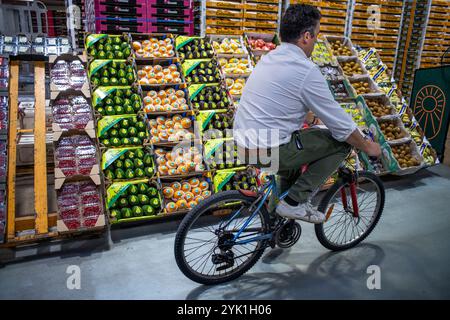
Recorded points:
(350, 212)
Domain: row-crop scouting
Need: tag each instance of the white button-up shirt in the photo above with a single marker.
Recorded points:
(281, 90)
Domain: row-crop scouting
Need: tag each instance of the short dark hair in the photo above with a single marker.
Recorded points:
(298, 19)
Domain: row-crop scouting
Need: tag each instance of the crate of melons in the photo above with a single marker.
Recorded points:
(211, 96)
(180, 161)
(111, 73)
(193, 48)
(122, 131)
(241, 178)
(221, 154)
(135, 200)
(105, 46)
(128, 163)
(393, 129)
(120, 100)
(215, 124)
(201, 71)
(181, 196)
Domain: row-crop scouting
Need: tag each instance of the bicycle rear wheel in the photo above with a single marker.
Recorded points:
(204, 250)
(341, 230)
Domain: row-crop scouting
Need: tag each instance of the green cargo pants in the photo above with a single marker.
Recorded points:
(314, 147)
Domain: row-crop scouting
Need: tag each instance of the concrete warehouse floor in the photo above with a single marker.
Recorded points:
(411, 245)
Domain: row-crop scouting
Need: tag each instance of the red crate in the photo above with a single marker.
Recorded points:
(171, 3)
(107, 9)
(175, 13)
(184, 29)
(117, 26)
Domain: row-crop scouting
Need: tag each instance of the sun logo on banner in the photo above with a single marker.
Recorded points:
(429, 109)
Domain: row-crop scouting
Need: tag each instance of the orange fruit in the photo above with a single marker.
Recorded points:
(178, 194)
(162, 94)
(199, 199)
(163, 169)
(168, 192)
(204, 185)
(186, 123)
(170, 91)
(182, 204)
(171, 207)
(154, 132)
(153, 40)
(136, 45)
(168, 40)
(192, 204)
(194, 182)
(173, 67)
(157, 68)
(175, 74)
(188, 196)
(147, 69)
(180, 93)
(206, 193)
(146, 43)
(153, 81)
(148, 100)
(197, 191)
(176, 80)
(143, 81)
(182, 169)
(171, 164)
(186, 187)
(161, 120)
(169, 123)
(152, 94)
(176, 186)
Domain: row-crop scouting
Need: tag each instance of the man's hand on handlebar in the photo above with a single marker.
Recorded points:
(373, 149)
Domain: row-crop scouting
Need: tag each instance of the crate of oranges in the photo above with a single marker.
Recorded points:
(167, 130)
(153, 46)
(162, 74)
(165, 101)
(179, 161)
(181, 196)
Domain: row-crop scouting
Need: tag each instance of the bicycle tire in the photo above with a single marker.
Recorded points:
(320, 234)
(192, 216)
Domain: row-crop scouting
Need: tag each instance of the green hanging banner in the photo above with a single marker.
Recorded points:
(430, 103)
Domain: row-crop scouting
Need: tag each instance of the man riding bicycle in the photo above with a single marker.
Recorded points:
(282, 89)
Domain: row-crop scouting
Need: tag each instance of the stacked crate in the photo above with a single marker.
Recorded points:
(225, 17)
(437, 37)
(4, 82)
(334, 15)
(262, 16)
(170, 16)
(117, 16)
(76, 152)
(409, 44)
(369, 32)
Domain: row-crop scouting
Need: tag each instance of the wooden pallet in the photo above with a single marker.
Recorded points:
(42, 220)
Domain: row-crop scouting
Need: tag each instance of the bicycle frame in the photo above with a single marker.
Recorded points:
(349, 177)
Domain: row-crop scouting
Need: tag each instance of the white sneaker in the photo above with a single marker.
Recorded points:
(303, 211)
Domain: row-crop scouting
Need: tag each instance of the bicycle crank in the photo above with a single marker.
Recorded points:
(288, 234)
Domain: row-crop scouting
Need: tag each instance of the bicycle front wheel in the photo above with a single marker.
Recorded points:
(206, 250)
(342, 230)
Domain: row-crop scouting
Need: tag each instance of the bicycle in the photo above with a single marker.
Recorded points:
(242, 227)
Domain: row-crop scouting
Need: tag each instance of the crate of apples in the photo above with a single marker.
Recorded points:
(261, 45)
(171, 129)
(185, 194)
(159, 75)
(167, 100)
